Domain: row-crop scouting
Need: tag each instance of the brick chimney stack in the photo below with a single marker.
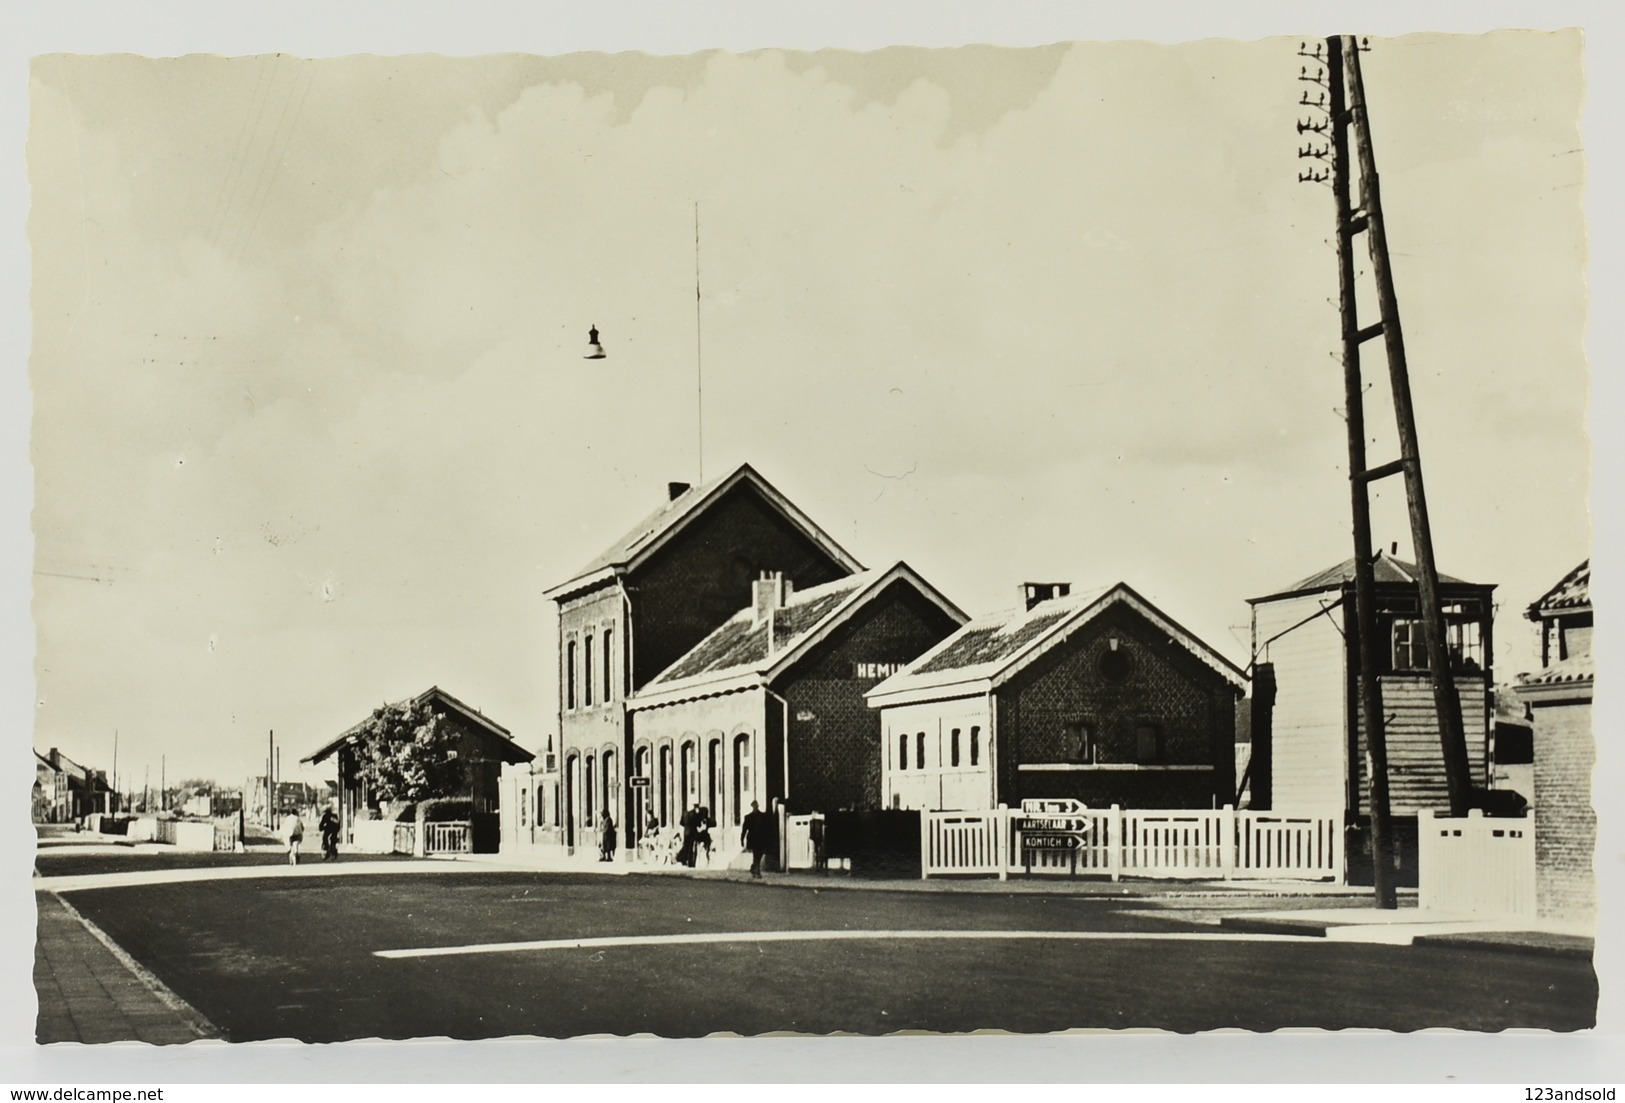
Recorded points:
(769, 593)
(1033, 593)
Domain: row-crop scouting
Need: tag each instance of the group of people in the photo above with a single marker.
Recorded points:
(293, 833)
(758, 835)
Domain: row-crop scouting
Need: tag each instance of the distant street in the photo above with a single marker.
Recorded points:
(297, 958)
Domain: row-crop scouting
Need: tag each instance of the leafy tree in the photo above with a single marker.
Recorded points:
(408, 751)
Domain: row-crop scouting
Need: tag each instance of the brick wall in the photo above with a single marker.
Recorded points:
(1565, 822)
(1190, 705)
(835, 749)
(590, 729)
(704, 574)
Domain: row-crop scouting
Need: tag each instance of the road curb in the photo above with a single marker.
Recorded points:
(1572, 947)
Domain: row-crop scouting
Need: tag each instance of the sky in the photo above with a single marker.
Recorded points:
(312, 427)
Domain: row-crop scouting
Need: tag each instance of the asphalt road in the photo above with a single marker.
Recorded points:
(296, 959)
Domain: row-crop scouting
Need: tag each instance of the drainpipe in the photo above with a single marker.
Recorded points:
(784, 740)
(784, 803)
(628, 756)
(993, 747)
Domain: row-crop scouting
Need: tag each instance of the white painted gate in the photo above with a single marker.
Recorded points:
(1476, 865)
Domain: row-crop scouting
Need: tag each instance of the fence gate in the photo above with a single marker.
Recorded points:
(1476, 865)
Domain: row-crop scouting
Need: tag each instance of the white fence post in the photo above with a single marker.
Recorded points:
(1001, 840)
(1338, 841)
(1116, 846)
(1227, 841)
(925, 844)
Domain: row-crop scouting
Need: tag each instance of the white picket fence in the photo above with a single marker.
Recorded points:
(1183, 843)
(1476, 865)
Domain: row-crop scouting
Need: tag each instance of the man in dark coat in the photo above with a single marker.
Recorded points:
(690, 824)
(329, 826)
(756, 835)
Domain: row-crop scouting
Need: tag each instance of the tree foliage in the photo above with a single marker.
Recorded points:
(407, 751)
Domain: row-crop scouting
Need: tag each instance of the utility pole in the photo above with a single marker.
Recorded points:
(1337, 70)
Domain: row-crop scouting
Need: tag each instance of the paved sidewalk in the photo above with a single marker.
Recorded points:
(1411, 927)
(90, 992)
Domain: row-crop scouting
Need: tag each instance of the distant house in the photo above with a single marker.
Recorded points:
(50, 802)
(67, 791)
(483, 747)
(647, 601)
(770, 706)
(1105, 700)
(1306, 635)
(1559, 695)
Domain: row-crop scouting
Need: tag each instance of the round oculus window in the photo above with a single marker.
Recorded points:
(1115, 665)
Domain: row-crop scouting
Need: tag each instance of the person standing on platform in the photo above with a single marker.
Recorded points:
(756, 835)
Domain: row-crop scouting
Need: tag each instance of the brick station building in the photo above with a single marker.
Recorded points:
(647, 601)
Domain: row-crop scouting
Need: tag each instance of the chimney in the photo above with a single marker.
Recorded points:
(768, 594)
(1033, 593)
(675, 491)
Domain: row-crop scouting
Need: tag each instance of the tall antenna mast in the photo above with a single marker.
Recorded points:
(699, 371)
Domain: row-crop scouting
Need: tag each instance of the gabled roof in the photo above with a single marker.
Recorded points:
(1571, 595)
(1385, 569)
(990, 650)
(1575, 670)
(737, 655)
(510, 751)
(651, 533)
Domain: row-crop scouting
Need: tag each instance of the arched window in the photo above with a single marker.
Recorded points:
(953, 748)
(902, 751)
(570, 808)
(666, 816)
(587, 792)
(642, 767)
(919, 749)
(713, 780)
(612, 782)
(975, 746)
(586, 671)
(741, 776)
(609, 664)
(570, 675)
(691, 776)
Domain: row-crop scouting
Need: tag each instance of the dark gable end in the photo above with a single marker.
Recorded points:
(703, 574)
(1080, 680)
(835, 750)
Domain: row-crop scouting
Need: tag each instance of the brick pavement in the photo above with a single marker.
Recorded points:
(90, 992)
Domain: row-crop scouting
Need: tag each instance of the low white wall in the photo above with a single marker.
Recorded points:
(191, 835)
(374, 837)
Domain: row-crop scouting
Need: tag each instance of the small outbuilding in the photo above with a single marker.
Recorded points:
(1105, 700)
(481, 749)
